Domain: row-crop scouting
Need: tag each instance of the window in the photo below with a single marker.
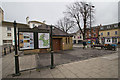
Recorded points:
(8, 28)
(115, 32)
(101, 28)
(108, 27)
(94, 35)
(74, 36)
(7, 41)
(94, 30)
(114, 40)
(108, 39)
(80, 37)
(74, 42)
(89, 34)
(8, 34)
(115, 25)
(108, 33)
(101, 34)
(33, 25)
(66, 40)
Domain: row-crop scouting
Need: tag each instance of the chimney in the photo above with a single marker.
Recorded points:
(100, 25)
(27, 19)
(44, 21)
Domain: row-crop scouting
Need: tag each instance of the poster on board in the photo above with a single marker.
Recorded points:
(43, 40)
(26, 40)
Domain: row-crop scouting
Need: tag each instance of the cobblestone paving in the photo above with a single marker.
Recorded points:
(76, 54)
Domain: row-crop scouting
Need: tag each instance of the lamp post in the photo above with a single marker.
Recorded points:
(17, 73)
(90, 24)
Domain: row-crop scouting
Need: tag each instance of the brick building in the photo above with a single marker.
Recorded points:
(92, 34)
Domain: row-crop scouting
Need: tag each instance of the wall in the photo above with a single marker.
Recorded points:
(64, 46)
(67, 45)
(76, 37)
(1, 19)
(112, 33)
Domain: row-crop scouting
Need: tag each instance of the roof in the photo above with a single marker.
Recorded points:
(36, 22)
(111, 26)
(56, 31)
(10, 24)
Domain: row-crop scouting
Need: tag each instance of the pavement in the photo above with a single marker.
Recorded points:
(99, 67)
(68, 56)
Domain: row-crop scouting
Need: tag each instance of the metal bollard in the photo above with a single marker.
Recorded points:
(10, 49)
(4, 51)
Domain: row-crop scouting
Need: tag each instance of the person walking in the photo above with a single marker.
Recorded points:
(84, 44)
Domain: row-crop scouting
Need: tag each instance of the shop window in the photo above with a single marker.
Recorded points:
(108, 40)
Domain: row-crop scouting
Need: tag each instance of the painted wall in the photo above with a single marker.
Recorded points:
(77, 37)
(112, 33)
(1, 18)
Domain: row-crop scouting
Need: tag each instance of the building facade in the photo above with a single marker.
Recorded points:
(92, 34)
(110, 34)
(77, 37)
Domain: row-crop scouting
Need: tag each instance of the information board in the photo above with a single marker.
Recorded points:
(26, 40)
(43, 40)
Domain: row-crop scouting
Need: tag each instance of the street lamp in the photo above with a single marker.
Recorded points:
(17, 73)
(90, 23)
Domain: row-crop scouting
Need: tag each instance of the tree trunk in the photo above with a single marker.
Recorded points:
(84, 36)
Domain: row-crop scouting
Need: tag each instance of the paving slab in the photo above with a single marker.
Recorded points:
(98, 67)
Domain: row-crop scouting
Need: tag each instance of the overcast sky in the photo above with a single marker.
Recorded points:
(105, 12)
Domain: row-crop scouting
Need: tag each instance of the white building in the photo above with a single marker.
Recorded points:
(7, 29)
(77, 37)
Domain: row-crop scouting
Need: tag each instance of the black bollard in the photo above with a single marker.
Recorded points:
(10, 49)
(4, 51)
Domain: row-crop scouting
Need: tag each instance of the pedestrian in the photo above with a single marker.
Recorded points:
(84, 44)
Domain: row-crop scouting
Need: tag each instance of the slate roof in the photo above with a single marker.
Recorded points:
(56, 31)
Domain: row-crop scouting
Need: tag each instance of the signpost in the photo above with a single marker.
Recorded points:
(26, 40)
(52, 57)
(32, 39)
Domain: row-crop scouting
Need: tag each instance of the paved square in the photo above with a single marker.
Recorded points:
(104, 66)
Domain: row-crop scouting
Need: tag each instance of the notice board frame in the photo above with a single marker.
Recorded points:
(35, 32)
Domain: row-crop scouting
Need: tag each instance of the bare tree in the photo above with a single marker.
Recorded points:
(80, 14)
(65, 24)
